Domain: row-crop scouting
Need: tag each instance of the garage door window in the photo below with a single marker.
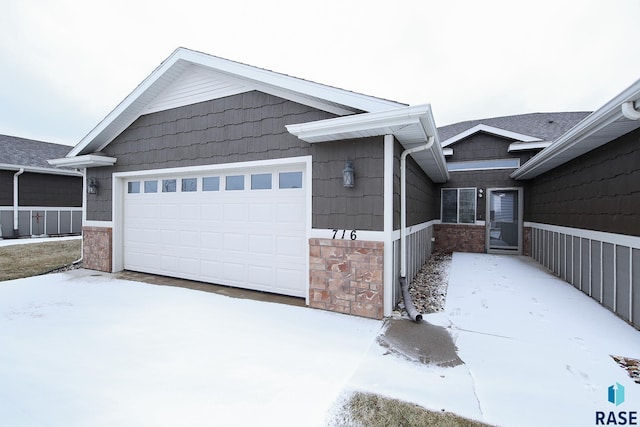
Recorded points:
(168, 185)
(189, 184)
(133, 187)
(261, 181)
(151, 186)
(234, 182)
(211, 183)
(290, 180)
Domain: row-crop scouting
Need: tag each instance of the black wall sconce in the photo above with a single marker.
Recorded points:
(92, 185)
(348, 179)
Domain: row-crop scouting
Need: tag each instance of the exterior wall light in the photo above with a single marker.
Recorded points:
(92, 185)
(348, 179)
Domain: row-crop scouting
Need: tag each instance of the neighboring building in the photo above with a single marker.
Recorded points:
(35, 197)
(221, 172)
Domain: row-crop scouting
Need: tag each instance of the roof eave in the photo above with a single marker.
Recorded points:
(84, 161)
(590, 125)
(132, 106)
(37, 169)
(411, 126)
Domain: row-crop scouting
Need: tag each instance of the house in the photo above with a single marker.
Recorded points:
(35, 197)
(221, 172)
(562, 188)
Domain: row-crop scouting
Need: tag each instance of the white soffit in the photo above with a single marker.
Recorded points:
(86, 161)
(598, 128)
(411, 126)
(524, 146)
(492, 130)
(162, 86)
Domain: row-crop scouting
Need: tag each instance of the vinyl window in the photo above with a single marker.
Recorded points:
(458, 205)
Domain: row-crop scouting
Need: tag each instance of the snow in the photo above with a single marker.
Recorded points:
(10, 242)
(83, 348)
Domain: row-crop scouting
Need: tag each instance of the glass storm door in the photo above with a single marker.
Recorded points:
(504, 225)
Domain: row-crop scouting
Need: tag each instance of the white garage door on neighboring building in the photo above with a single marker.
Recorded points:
(239, 227)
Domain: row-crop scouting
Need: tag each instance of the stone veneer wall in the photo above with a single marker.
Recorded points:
(96, 246)
(347, 276)
(526, 241)
(459, 238)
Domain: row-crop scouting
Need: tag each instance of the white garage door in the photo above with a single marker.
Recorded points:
(243, 227)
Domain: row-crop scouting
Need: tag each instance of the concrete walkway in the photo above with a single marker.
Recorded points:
(534, 350)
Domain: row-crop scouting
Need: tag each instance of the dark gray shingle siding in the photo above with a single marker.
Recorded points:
(599, 190)
(247, 127)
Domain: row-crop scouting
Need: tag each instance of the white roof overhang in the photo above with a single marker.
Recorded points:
(85, 161)
(35, 169)
(600, 127)
(338, 101)
(411, 126)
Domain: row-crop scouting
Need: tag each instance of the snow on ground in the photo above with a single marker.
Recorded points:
(82, 348)
(9, 242)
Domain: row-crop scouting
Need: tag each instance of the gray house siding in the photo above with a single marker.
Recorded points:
(248, 127)
(597, 191)
(37, 189)
(6, 188)
(482, 146)
(421, 192)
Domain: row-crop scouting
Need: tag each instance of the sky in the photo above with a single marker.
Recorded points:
(65, 65)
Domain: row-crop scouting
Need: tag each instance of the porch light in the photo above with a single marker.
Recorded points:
(348, 179)
(92, 185)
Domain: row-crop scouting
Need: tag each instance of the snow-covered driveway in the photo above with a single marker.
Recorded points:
(82, 348)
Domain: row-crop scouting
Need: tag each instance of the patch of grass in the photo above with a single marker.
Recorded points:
(25, 260)
(372, 410)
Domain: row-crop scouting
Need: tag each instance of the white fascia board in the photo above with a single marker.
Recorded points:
(594, 122)
(35, 169)
(492, 130)
(447, 151)
(380, 123)
(524, 146)
(261, 75)
(86, 161)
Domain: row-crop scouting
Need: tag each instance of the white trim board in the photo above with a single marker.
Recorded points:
(491, 130)
(616, 239)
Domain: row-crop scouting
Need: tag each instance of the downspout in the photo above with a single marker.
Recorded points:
(15, 201)
(84, 213)
(629, 111)
(408, 302)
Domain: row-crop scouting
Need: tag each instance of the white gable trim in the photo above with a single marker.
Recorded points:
(318, 95)
(492, 130)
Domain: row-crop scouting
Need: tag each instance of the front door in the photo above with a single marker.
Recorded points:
(504, 220)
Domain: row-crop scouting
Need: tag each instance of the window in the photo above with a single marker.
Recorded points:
(290, 180)
(133, 187)
(151, 186)
(189, 184)
(234, 182)
(483, 165)
(459, 205)
(211, 183)
(168, 185)
(261, 181)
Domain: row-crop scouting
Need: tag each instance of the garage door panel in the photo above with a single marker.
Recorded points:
(236, 212)
(247, 238)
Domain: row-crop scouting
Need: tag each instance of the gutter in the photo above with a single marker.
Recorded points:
(15, 200)
(408, 302)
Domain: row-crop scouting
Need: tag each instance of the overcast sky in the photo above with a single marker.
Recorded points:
(65, 64)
